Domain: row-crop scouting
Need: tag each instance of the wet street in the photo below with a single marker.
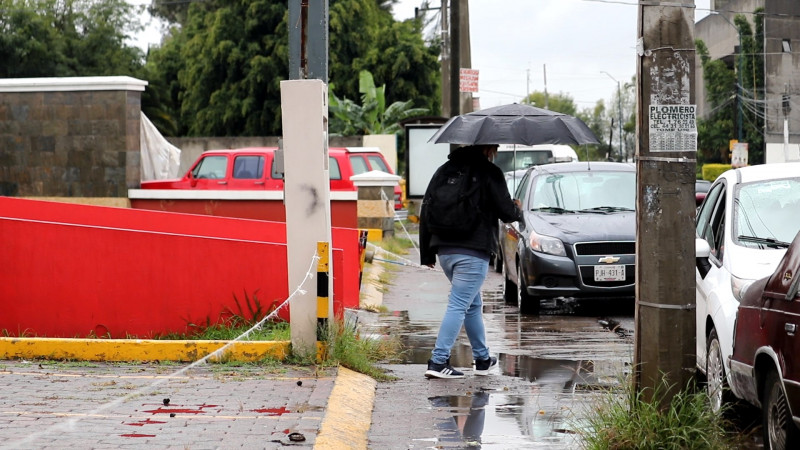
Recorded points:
(552, 367)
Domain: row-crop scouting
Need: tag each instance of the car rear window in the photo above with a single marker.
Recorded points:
(377, 163)
(359, 165)
(248, 167)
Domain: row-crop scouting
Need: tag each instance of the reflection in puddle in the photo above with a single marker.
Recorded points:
(494, 420)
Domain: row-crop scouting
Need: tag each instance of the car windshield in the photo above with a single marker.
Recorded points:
(766, 213)
(600, 192)
(211, 167)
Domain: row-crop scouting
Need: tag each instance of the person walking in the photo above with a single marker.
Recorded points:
(464, 253)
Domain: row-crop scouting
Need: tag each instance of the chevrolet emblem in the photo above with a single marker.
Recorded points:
(608, 260)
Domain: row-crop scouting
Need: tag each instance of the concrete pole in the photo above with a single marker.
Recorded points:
(666, 151)
(304, 108)
(306, 188)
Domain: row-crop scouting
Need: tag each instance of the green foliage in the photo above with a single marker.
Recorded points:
(560, 102)
(731, 92)
(66, 38)
(371, 117)
(219, 73)
(637, 419)
(712, 171)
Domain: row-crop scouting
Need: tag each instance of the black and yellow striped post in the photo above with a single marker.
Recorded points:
(323, 294)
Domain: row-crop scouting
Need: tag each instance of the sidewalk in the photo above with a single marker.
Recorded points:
(46, 404)
(56, 405)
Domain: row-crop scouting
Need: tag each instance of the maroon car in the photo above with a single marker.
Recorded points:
(765, 366)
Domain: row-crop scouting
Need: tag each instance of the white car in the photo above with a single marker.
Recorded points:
(748, 219)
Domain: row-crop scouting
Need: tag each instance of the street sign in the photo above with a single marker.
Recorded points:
(468, 80)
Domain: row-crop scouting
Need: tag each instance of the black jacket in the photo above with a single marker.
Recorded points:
(496, 204)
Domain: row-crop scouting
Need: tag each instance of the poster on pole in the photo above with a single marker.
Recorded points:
(673, 128)
(468, 80)
(739, 154)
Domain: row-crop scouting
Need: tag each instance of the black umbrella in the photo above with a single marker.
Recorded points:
(514, 124)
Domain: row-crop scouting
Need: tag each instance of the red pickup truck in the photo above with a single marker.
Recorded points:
(253, 168)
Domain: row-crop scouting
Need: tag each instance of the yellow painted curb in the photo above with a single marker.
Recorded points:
(349, 412)
(140, 349)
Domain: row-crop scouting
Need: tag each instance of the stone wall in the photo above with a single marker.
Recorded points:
(70, 137)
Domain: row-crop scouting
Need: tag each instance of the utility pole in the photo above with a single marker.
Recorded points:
(665, 206)
(459, 56)
(304, 108)
(619, 111)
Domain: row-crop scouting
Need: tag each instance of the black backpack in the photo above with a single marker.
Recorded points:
(452, 205)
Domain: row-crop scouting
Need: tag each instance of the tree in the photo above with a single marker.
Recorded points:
(715, 131)
(221, 70)
(560, 102)
(65, 38)
(372, 116)
(728, 97)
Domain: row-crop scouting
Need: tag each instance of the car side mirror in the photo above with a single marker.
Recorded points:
(701, 253)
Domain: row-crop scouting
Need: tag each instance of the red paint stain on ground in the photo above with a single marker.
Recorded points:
(142, 423)
(137, 435)
(272, 411)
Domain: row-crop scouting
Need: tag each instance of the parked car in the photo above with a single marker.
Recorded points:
(700, 190)
(578, 237)
(765, 366)
(254, 168)
(743, 228)
(519, 157)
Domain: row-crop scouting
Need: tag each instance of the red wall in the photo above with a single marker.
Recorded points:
(73, 270)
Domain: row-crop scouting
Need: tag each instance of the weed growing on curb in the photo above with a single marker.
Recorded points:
(344, 346)
(635, 419)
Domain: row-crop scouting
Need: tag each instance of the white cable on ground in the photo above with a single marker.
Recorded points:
(69, 424)
(398, 258)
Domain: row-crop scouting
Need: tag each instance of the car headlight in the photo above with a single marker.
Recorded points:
(546, 244)
(739, 286)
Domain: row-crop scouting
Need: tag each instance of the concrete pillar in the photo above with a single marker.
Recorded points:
(376, 202)
(307, 199)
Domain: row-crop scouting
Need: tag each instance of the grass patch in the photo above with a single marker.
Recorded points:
(345, 347)
(630, 419)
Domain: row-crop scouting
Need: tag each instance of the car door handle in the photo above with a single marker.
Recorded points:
(259, 182)
(222, 182)
(790, 328)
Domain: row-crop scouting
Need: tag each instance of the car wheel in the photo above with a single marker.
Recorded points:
(509, 288)
(779, 429)
(716, 386)
(497, 264)
(527, 303)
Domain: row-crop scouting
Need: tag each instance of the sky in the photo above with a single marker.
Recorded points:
(580, 48)
(561, 46)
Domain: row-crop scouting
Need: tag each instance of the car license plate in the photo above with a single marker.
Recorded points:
(609, 273)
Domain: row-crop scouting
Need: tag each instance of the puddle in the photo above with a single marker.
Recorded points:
(494, 420)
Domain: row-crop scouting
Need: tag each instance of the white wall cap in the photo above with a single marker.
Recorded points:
(207, 194)
(375, 178)
(121, 83)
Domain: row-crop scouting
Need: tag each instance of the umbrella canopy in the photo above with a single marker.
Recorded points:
(514, 124)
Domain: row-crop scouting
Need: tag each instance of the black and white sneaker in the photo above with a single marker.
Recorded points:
(483, 366)
(442, 371)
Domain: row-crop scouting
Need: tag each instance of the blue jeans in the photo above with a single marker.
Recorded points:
(464, 306)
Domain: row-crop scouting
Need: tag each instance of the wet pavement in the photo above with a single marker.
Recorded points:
(552, 367)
